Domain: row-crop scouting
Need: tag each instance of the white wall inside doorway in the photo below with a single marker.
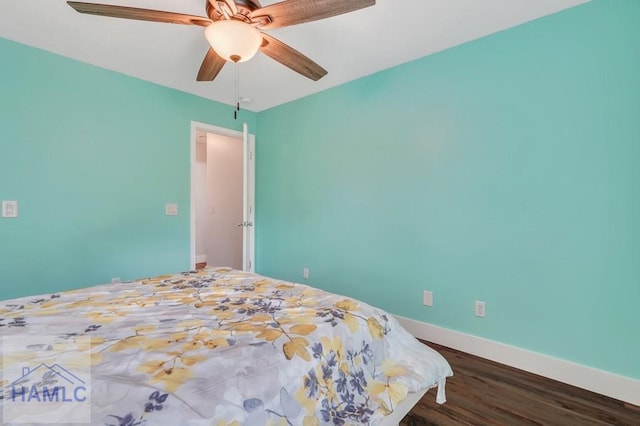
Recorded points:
(218, 171)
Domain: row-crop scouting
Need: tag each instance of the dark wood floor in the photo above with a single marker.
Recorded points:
(482, 392)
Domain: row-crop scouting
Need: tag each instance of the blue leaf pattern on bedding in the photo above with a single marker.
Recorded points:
(127, 420)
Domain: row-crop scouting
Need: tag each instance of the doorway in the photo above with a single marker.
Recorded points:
(222, 197)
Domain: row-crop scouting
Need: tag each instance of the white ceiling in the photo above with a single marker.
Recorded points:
(349, 46)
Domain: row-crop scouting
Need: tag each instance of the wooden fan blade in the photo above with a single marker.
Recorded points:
(138, 14)
(291, 12)
(211, 66)
(291, 58)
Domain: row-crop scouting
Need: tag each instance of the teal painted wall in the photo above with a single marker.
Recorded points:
(504, 170)
(92, 156)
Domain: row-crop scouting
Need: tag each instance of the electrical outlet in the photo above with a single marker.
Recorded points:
(305, 273)
(427, 298)
(480, 309)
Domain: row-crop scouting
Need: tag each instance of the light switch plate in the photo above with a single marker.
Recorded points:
(9, 208)
(427, 298)
(171, 209)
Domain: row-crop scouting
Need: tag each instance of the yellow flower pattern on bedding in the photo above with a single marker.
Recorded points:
(227, 347)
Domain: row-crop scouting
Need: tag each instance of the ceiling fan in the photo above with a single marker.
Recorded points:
(233, 28)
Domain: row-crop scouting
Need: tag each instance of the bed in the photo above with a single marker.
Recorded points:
(209, 347)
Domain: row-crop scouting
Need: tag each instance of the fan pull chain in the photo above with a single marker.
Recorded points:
(236, 68)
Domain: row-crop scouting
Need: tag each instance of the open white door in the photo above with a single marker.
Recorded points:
(248, 201)
(248, 210)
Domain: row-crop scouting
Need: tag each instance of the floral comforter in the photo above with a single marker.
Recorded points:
(212, 347)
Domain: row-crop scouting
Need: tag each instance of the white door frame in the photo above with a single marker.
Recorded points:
(248, 260)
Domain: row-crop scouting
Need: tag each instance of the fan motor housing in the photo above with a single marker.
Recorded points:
(245, 7)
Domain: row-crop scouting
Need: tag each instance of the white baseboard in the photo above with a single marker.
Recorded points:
(201, 258)
(599, 381)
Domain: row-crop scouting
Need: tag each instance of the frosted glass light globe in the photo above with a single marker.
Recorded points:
(233, 40)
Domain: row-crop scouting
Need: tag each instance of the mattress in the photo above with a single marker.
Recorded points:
(215, 346)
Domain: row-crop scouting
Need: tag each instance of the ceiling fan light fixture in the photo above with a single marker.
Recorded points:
(233, 40)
